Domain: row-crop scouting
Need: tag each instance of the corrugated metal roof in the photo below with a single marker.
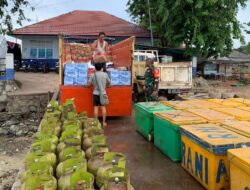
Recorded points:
(234, 57)
(88, 23)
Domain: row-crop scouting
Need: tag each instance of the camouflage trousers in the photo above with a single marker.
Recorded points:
(149, 94)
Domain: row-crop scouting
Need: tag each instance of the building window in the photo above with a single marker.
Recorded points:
(49, 53)
(33, 53)
(41, 53)
(41, 49)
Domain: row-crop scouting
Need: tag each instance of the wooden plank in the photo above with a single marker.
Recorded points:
(60, 60)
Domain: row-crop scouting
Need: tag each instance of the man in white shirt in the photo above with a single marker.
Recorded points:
(99, 80)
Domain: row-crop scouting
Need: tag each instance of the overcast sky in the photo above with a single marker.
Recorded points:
(45, 9)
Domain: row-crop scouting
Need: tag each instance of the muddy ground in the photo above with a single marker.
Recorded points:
(36, 82)
(12, 153)
(229, 86)
(241, 91)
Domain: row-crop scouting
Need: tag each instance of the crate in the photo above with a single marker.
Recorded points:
(167, 131)
(227, 103)
(204, 153)
(179, 105)
(241, 100)
(144, 117)
(211, 116)
(241, 127)
(203, 104)
(245, 108)
(236, 113)
(191, 104)
(239, 160)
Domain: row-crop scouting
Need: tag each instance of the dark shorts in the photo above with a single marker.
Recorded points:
(96, 100)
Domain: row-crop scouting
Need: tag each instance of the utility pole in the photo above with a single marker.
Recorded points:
(150, 25)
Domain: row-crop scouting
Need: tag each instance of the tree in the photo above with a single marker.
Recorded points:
(245, 49)
(12, 11)
(206, 27)
(247, 28)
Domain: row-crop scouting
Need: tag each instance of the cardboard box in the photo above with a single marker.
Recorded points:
(125, 74)
(68, 81)
(70, 70)
(114, 81)
(81, 81)
(124, 81)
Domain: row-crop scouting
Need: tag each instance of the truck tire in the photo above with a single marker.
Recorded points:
(135, 93)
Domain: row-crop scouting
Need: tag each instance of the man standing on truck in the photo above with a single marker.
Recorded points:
(150, 85)
(99, 80)
(100, 49)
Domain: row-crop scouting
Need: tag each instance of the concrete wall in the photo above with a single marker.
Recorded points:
(28, 103)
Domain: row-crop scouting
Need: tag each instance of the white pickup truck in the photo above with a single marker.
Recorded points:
(174, 77)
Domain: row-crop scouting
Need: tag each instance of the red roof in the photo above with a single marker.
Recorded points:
(88, 23)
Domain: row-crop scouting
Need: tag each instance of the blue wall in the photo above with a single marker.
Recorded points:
(9, 75)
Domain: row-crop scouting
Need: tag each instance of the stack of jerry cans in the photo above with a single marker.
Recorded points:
(204, 153)
(239, 160)
(144, 117)
(167, 130)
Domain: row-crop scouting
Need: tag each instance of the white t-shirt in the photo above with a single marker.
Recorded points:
(102, 79)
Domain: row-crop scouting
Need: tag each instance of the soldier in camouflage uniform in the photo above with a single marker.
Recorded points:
(150, 85)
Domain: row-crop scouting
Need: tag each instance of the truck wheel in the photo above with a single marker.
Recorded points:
(135, 93)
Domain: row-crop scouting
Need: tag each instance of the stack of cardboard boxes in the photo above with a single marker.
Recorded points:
(76, 74)
(120, 78)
